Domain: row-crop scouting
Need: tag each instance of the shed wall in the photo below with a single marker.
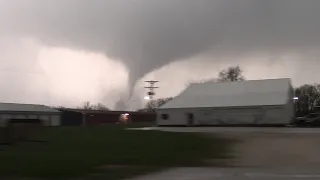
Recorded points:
(55, 120)
(71, 118)
(45, 119)
(48, 119)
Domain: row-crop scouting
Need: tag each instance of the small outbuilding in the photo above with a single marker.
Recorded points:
(24, 112)
(264, 102)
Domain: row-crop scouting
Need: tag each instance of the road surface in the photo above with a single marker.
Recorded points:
(261, 154)
(233, 174)
(237, 130)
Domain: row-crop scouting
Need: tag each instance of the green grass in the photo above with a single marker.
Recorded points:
(80, 151)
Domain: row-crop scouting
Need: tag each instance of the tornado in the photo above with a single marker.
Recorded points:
(148, 34)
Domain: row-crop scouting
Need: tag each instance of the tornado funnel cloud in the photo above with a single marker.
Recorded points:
(148, 34)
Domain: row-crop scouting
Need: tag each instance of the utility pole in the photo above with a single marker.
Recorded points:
(151, 88)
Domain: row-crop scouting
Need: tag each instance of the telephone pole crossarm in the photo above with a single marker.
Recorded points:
(151, 88)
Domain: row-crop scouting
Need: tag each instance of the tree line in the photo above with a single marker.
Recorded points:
(308, 94)
(88, 106)
(308, 98)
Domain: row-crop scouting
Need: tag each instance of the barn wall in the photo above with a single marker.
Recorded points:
(227, 116)
(175, 116)
(277, 115)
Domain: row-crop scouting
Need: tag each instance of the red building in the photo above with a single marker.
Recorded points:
(98, 117)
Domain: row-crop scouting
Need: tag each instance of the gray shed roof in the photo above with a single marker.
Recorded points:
(232, 94)
(15, 107)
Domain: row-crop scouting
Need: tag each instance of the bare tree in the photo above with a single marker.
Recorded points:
(100, 106)
(308, 97)
(152, 104)
(231, 74)
(87, 106)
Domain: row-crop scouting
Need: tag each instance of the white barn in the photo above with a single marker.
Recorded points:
(267, 101)
(49, 116)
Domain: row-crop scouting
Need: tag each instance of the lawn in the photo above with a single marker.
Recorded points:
(109, 152)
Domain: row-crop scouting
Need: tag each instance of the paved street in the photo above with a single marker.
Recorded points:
(233, 174)
(237, 130)
(261, 154)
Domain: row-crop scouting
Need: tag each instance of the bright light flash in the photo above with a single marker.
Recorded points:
(146, 97)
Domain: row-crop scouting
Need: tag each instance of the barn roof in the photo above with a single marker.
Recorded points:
(15, 107)
(233, 94)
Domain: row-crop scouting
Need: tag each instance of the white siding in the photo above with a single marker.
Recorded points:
(228, 116)
(212, 116)
(276, 115)
(45, 119)
(176, 117)
(55, 120)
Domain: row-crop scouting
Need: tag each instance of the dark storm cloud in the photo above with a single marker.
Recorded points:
(147, 34)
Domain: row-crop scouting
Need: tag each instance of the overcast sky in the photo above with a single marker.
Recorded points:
(67, 52)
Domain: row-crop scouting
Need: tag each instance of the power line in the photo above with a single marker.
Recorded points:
(151, 88)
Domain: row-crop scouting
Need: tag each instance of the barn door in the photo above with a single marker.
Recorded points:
(190, 119)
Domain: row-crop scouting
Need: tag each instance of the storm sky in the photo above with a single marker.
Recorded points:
(67, 52)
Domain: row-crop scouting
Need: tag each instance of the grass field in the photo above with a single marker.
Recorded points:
(109, 152)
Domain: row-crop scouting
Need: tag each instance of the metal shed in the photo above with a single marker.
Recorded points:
(267, 101)
(8, 111)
